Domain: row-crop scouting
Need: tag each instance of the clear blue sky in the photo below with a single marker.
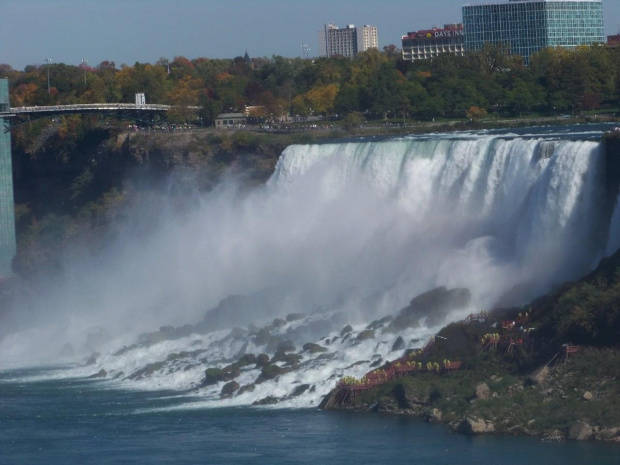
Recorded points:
(126, 31)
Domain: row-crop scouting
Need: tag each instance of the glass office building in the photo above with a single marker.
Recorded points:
(529, 25)
(7, 212)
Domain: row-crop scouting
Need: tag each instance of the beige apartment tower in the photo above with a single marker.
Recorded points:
(348, 41)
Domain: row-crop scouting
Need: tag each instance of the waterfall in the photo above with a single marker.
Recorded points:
(356, 228)
(488, 213)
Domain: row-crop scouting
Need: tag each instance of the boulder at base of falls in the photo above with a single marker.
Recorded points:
(269, 400)
(262, 360)
(101, 374)
(246, 388)
(347, 329)
(213, 376)
(295, 316)
(247, 359)
(399, 344)
(471, 425)
(314, 348)
(580, 431)
(366, 334)
(269, 372)
(434, 305)
(228, 389)
(299, 390)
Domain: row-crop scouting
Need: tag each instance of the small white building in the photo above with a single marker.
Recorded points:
(224, 120)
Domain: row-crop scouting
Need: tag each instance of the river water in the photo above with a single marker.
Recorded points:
(46, 421)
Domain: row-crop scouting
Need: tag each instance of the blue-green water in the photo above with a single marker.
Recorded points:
(80, 421)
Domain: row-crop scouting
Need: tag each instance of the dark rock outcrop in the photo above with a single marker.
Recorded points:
(100, 374)
(314, 348)
(228, 389)
(269, 400)
(434, 305)
(472, 426)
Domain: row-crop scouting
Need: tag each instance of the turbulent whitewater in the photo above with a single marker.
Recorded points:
(343, 233)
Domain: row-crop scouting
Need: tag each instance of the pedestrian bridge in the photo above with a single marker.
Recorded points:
(142, 113)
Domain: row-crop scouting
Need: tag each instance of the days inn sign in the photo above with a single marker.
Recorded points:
(439, 33)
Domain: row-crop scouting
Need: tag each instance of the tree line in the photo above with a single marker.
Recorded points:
(374, 84)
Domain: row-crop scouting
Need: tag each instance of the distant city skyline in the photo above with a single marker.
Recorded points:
(129, 31)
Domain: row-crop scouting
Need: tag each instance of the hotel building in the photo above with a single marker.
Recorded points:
(429, 43)
(530, 25)
(348, 41)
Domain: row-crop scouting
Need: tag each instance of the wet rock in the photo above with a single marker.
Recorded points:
(270, 372)
(252, 329)
(146, 371)
(483, 391)
(124, 350)
(185, 331)
(168, 331)
(231, 371)
(228, 389)
(262, 337)
(173, 356)
(376, 363)
(365, 335)
(472, 425)
(399, 344)
(92, 359)
(580, 431)
(262, 360)
(285, 346)
(246, 388)
(237, 333)
(347, 329)
(299, 390)
(434, 306)
(295, 316)
(273, 343)
(278, 323)
(314, 348)
(288, 359)
(379, 323)
(247, 359)
(213, 376)
(100, 374)
(269, 400)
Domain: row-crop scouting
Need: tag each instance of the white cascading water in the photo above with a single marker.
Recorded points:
(357, 227)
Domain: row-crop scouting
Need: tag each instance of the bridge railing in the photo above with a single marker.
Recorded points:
(90, 106)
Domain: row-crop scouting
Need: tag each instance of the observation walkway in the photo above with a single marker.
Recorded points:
(141, 113)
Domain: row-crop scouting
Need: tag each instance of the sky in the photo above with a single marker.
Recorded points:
(129, 31)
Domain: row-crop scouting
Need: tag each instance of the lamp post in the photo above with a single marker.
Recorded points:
(84, 65)
(48, 61)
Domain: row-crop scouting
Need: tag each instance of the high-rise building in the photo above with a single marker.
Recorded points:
(527, 26)
(7, 212)
(348, 41)
(429, 43)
